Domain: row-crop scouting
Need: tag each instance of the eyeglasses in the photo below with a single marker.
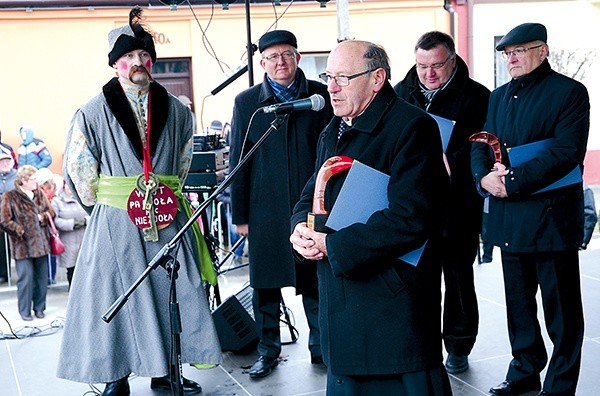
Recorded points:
(287, 55)
(434, 66)
(519, 52)
(342, 81)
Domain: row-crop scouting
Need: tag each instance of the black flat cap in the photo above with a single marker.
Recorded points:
(524, 33)
(276, 37)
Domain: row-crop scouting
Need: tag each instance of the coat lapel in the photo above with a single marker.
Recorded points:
(119, 105)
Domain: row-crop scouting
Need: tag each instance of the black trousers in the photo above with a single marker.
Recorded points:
(4, 256)
(266, 304)
(557, 275)
(460, 311)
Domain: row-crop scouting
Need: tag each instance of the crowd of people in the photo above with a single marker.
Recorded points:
(28, 197)
(131, 147)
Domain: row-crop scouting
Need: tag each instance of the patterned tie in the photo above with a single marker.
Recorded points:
(342, 129)
(141, 115)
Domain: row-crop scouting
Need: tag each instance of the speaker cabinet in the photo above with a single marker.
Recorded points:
(234, 321)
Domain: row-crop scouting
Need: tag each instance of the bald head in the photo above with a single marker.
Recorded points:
(358, 71)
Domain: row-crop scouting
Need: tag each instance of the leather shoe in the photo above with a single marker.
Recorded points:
(28, 318)
(40, 315)
(316, 359)
(119, 387)
(263, 367)
(164, 383)
(457, 363)
(511, 388)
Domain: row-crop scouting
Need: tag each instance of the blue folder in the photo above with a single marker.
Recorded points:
(363, 193)
(520, 154)
(446, 127)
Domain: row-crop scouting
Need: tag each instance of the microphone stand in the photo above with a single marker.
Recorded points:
(176, 376)
(164, 259)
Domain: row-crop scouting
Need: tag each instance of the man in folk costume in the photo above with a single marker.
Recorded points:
(128, 153)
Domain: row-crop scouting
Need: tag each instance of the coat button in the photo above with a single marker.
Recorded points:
(505, 243)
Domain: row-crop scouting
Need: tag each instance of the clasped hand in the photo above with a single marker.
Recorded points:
(308, 243)
(494, 182)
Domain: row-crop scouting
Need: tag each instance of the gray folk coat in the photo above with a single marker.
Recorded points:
(103, 139)
(265, 192)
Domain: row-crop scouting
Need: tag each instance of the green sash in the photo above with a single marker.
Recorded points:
(115, 190)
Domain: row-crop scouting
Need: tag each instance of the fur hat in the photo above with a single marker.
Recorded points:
(276, 37)
(524, 33)
(129, 38)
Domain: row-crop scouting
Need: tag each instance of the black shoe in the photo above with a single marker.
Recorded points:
(117, 388)
(511, 388)
(27, 318)
(263, 367)
(457, 363)
(316, 359)
(164, 383)
(40, 315)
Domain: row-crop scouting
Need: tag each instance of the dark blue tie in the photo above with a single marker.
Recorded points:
(342, 129)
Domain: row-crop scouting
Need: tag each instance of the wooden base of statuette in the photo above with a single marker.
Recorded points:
(316, 222)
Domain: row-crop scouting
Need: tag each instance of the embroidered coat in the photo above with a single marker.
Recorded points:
(104, 140)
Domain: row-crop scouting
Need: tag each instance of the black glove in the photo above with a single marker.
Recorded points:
(79, 223)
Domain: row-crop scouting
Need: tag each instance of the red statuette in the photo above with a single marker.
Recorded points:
(164, 204)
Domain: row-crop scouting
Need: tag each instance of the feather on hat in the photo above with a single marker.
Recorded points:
(130, 37)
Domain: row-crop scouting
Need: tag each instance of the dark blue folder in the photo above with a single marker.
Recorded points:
(363, 193)
(520, 154)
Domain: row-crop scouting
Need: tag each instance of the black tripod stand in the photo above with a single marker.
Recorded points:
(163, 258)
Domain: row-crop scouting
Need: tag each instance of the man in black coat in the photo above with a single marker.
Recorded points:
(267, 188)
(539, 233)
(379, 316)
(439, 83)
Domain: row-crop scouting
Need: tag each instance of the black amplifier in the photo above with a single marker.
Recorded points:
(210, 161)
(203, 181)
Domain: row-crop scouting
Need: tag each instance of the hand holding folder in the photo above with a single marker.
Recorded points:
(363, 193)
(518, 155)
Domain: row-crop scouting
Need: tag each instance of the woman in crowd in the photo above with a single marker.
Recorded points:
(70, 221)
(24, 215)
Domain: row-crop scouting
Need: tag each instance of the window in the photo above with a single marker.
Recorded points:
(313, 64)
(501, 75)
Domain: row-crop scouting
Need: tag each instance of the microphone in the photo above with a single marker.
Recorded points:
(315, 102)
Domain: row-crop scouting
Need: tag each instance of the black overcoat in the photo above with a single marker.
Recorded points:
(379, 315)
(265, 192)
(542, 104)
(464, 101)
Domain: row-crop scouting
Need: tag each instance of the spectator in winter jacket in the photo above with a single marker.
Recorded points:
(33, 151)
